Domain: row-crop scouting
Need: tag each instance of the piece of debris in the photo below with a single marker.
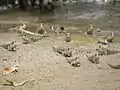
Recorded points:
(68, 38)
(10, 46)
(74, 61)
(8, 70)
(93, 58)
(67, 52)
(114, 66)
(19, 28)
(14, 84)
(105, 51)
(22, 30)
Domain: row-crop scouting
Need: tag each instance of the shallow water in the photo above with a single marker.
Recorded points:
(79, 15)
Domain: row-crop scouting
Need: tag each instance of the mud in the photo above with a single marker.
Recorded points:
(47, 70)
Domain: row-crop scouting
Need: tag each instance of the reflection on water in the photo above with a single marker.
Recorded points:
(102, 16)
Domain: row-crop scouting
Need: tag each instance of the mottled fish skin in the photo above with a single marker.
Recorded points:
(66, 52)
(105, 51)
(73, 61)
(11, 46)
(93, 59)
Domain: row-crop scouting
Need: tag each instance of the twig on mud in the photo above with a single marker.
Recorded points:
(14, 84)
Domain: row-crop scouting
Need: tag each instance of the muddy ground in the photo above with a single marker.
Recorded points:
(48, 70)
